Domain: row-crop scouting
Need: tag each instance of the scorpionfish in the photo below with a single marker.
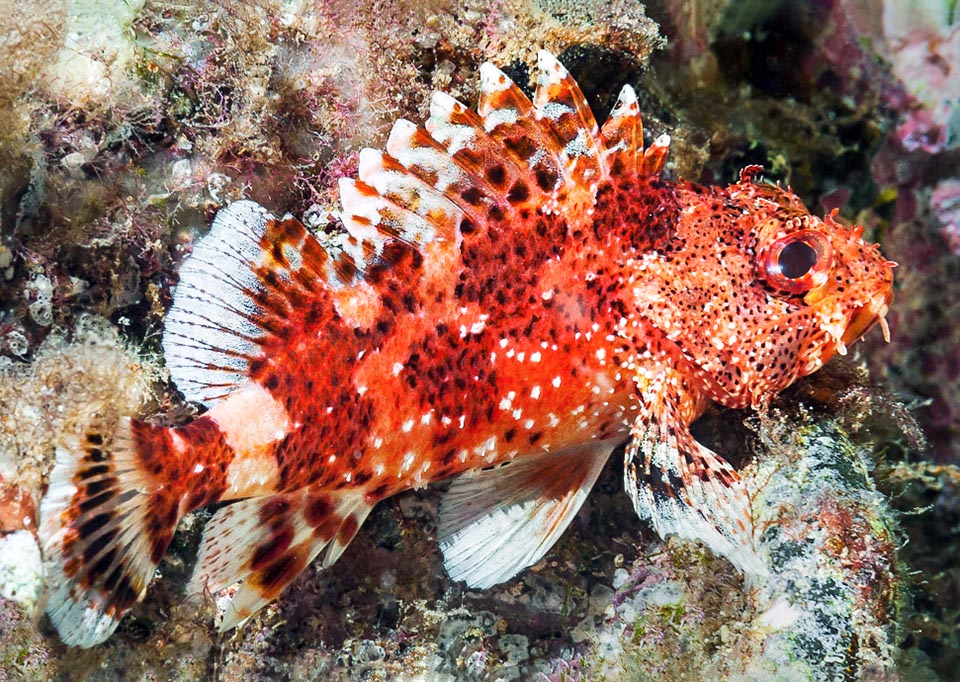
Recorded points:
(512, 294)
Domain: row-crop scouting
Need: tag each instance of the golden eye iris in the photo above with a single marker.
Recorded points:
(797, 262)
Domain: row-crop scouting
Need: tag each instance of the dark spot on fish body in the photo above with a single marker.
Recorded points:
(617, 169)
(348, 529)
(161, 523)
(472, 195)
(521, 146)
(443, 437)
(467, 226)
(519, 193)
(546, 179)
(102, 565)
(468, 157)
(113, 580)
(495, 214)
(123, 597)
(496, 174)
(317, 509)
(97, 496)
(378, 493)
(447, 458)
(274, 508)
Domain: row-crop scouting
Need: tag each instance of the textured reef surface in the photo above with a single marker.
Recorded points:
(124, 127)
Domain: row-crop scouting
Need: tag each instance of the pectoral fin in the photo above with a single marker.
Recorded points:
(682, 488)
(496, 522)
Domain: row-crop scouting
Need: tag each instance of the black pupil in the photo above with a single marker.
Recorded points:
(796, 259)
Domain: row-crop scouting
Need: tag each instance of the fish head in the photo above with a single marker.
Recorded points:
(833, 282)
(754, 291)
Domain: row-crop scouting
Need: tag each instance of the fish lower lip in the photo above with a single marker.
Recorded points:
(862, 321)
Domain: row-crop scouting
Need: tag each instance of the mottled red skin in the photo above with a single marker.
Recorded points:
(311, 361)
(542, 314)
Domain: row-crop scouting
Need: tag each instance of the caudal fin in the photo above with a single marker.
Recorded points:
(104, 525)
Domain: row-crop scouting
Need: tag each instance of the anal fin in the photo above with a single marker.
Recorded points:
(267, 541)
(496, 522)
(682, 488)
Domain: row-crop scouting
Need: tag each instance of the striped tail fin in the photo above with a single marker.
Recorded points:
(105, 522)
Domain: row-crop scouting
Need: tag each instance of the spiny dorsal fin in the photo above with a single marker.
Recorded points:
(450, 161)
(465, 171)
(622, 135)
(496, 522)
(267, 541)
(510, 119)
(561, 106)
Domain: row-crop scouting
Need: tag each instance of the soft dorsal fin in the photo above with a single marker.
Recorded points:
(235, 294)
(267, 541)
(496, 522)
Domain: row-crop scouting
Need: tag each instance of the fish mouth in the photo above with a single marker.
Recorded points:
(866, 317)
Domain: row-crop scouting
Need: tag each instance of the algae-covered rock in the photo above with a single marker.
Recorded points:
(830, 608)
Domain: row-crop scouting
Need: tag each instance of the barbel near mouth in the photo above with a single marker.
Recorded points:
(864, 319)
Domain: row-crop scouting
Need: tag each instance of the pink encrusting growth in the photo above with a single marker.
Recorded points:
(516, 292)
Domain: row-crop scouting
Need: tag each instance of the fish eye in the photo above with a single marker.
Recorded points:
(797, 262)
(796, 259)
